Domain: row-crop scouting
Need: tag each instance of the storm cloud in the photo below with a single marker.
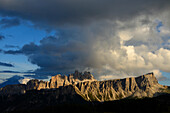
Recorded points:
(101, 49)
(63, 12)
(109, 38)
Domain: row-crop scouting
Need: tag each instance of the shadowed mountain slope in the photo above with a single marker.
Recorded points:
(78, 89)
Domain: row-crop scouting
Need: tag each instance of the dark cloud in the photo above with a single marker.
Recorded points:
(12, 52)
(9, 71)
(68, 51)
(6, 64)
(101, 37)
(135, 42)
(96, 48)
(1, 37)
(36, 76)
(26, 49)
(61, 12)
(6, 23)
(30, 74)
(14, 72)
(11, 46)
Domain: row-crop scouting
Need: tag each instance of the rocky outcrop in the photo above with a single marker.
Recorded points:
(143, 86)
(55, 82)
(37, 85)
(92, 90)
(59, 80)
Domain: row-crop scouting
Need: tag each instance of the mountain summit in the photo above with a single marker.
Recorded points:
(90, 89)
(108, 90)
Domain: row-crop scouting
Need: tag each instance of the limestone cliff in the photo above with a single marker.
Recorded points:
(142, 86)
(55, 82)
(37, 85)
(60, 81)
(92, 90)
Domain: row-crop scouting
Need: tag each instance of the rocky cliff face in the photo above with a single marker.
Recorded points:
(143, 86)
(92, 90)
(55, 82)
(60, 81)
(37, 85)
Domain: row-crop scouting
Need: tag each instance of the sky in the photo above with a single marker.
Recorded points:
(110, 38)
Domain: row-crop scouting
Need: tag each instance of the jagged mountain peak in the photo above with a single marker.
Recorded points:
(142, 86)
(82, 76)
(92, 90)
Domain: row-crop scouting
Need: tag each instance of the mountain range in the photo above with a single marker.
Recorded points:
(79, 89)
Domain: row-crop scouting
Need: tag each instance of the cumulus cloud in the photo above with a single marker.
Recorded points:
(108, 38)
(103, 52)
(158, 75)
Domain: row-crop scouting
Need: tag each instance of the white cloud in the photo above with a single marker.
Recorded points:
(24, 81)
(158, 75)
(109, 77)
(124, 36)
(160, 59)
